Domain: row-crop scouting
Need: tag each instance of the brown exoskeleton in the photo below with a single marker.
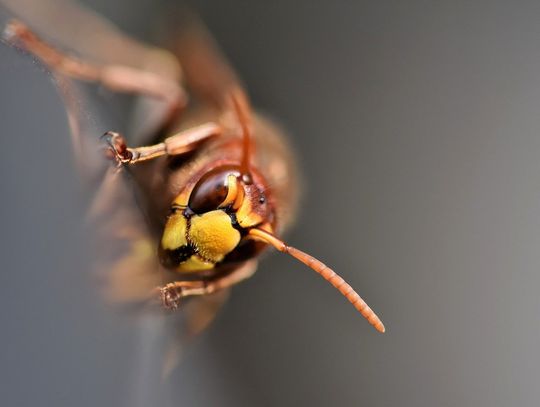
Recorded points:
(215, 194)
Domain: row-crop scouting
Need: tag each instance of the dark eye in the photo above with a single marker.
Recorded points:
(211, 190)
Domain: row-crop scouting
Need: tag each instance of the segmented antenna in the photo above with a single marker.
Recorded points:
(241, 105)
(326, 272)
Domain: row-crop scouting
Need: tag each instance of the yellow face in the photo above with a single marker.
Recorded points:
(207, 224)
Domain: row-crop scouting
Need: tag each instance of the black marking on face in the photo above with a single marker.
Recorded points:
(235, 224)
(172, 258)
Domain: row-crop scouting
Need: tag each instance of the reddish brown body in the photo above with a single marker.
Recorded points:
(202, 233)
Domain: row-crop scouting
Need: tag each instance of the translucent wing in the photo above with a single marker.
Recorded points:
(125, 262)
(206, 70)
(81, 31)
(125, 244)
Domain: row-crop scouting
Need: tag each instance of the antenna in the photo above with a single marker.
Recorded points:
(327, 273)
(241, 105)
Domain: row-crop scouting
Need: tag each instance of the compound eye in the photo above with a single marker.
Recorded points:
(211, 190)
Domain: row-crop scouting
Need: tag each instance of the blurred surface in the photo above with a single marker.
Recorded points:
(416, 126)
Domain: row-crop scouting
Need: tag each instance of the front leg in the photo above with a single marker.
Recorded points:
(172, 294)
(180, 143)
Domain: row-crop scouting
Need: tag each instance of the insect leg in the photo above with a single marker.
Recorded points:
(118, 78)
(180, 143)
(172, 294)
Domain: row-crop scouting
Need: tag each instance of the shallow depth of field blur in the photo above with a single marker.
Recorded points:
(417, 129)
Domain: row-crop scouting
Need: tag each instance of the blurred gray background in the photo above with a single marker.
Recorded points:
(417, 128)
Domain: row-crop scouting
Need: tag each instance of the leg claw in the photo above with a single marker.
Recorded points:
(116, 148)
(170, 299)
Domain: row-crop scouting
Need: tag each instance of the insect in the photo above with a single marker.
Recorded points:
(215, 181)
